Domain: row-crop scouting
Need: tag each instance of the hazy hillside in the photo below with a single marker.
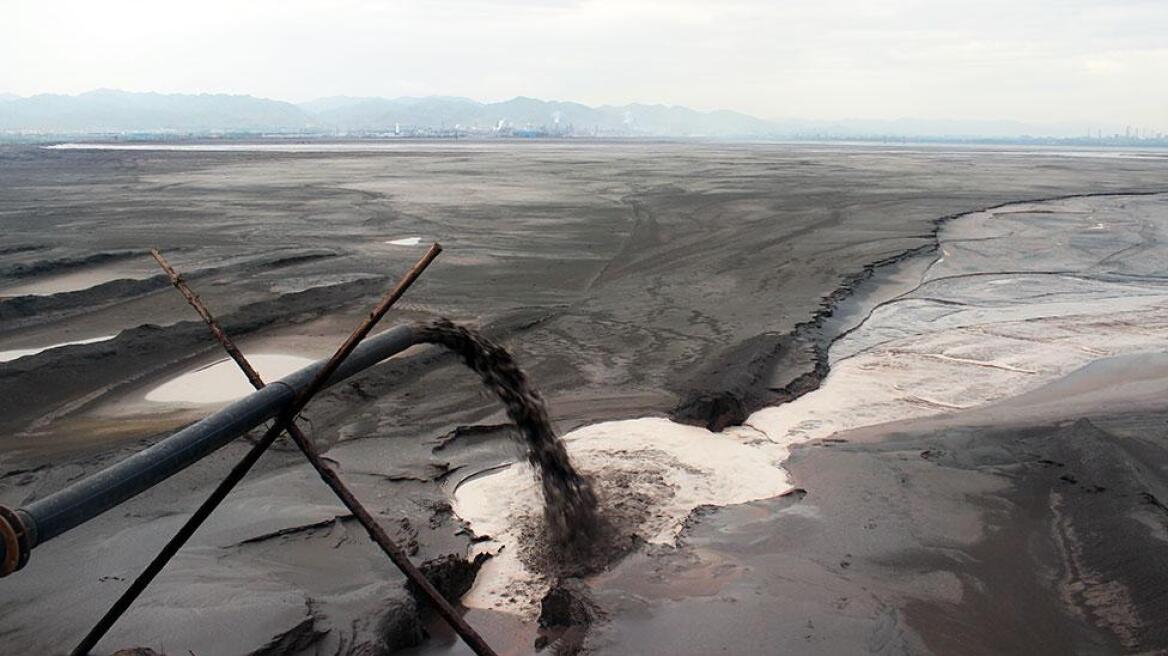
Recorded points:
(108, 110)
(113, 111)
(528, 113)
(915, 127)
(384, 113)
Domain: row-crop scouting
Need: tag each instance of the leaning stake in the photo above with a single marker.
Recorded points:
(193, 299)
(468, 634)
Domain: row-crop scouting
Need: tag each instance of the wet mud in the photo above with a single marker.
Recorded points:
(694, 281)
(991, 454)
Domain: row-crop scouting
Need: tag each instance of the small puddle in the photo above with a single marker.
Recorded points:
(13, 354)
(304, 283)
(405, 241)
(222, 381)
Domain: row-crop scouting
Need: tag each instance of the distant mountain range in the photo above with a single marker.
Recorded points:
(106, 111)
(110, 111)
(117, 111)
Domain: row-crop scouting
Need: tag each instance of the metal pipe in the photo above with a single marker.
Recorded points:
(51, 516)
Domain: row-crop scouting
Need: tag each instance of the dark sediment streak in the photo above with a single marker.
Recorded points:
(22, 307)
(61, 265)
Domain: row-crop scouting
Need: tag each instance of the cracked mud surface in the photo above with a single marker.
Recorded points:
(629, 280)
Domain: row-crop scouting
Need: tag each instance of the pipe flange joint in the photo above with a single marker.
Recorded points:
(14, 536)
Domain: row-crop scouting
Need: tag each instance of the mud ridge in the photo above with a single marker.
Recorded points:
(77, 370)
(61, 304)
(61, 265)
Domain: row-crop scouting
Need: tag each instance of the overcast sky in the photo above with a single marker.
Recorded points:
(1078, 61)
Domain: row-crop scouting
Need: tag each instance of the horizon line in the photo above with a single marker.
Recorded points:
(1089, 125)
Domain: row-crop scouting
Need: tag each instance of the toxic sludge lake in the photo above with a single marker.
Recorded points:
(834, 398)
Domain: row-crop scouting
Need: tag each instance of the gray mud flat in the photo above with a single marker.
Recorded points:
(629, 280)
(967, 537)
(955, 503)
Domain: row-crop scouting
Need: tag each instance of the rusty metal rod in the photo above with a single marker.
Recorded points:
(287, 421)
(172, 547)
(194, 301)
(376, 533)
(127, 598)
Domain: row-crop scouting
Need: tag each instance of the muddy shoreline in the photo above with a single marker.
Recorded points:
(1036, 511)
(745, 376)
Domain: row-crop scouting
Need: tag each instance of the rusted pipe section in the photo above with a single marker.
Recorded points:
(15, 540)
(23, 529)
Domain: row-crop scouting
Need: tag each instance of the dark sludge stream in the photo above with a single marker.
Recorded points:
(577, 535)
